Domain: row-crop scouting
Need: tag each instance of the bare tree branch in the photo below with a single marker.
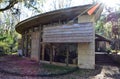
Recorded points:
(34, 8)
(11, 4)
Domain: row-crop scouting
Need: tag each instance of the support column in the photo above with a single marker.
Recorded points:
(23, 53)
(40, 42)
(25, 46)
(35, 54)
(86, 55)
(67, 56)
(86, 51)
(43, 51)
(51, 51)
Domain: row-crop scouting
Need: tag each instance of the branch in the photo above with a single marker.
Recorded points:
(34, 8)
(11, 4)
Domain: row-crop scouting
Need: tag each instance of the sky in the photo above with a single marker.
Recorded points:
(73, 3)
(48, 7)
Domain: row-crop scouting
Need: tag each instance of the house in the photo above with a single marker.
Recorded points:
(102, 44)
(64, 37)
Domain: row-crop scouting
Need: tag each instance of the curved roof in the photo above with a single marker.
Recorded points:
(50, 17)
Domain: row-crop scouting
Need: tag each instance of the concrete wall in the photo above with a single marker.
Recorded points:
(86, 51)
(35, 50)
(86, 56)
(85, 18)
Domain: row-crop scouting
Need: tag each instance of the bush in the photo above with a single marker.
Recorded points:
(3, 48)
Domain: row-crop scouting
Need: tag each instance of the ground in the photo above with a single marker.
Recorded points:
(26, 66)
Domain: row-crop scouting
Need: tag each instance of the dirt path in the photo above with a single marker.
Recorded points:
(108, 72)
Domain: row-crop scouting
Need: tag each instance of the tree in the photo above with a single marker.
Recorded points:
(57, 4)
(10, 13)
(114, 18)
(11, 3)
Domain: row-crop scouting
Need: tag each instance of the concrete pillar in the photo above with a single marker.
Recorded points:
(35, 46)
(86, 51)
(86, 56)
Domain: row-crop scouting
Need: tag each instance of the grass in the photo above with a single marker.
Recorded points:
(55, 67)
(80, 72)
(86, 72)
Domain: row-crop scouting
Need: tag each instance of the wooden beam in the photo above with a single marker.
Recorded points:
(67, 56)
(82, 32)
(43, 51)
(23, 53)
(40, 45)
(26, 45)
(51, 51)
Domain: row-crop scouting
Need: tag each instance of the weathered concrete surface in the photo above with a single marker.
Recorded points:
(86, 56)
(35, 54)
(86, 51)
